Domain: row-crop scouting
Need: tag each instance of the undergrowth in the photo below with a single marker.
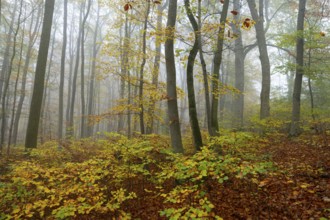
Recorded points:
(87, 179)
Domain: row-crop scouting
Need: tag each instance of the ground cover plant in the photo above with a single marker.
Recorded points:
(265, 177)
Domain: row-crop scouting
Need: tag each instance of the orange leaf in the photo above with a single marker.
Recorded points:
(246, 23)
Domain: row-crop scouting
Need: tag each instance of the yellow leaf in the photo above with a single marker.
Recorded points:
(16, 210)
(304, 185)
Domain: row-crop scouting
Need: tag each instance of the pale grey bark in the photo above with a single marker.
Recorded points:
(238, 104)
(82, 73)
(63, 56)
(264, 58)
(90, 110)
(141, 77)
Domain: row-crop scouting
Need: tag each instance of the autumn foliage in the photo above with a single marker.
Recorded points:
(120, 178)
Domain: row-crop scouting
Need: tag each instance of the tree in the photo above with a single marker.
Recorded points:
(144, 46)
(196, 133)
(93, 72)
(32, 39)
(238, 105)
(82, 72)
(216, 70)
(61, 89)
(295, 115)
(205, 74)
(38, 88)
(264, 58)
(172, 101)
(156, 66)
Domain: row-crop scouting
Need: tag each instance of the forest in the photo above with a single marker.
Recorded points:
(165, 109)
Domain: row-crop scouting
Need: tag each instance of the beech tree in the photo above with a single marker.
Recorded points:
(295, 120)
(216, 70)
(264, 58)
(196, 133)
(63, 56)
(38, 88)
(172, 97)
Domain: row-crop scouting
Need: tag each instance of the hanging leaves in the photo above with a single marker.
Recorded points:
(247, 23)
(129, 6)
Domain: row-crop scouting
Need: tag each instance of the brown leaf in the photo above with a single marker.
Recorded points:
(234, 12)
(127, 6)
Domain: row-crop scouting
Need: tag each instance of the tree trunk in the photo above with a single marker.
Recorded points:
(216, 71)
(205, 74)
(239, 69)
(295, 129)
(4, 98)
(82, 72)
(172, 101)
(196, 133)
(70, 127)
(6, 55)
(70, 84)
(93, 73)
(12, 117)
(32, 40)
(155, 70)
(264, 59)
(61, 89)
(144, 46)
(38, 89)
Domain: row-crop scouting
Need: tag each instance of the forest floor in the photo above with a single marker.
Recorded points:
(297, 187)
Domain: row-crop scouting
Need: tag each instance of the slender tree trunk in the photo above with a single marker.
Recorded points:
(70, 127)
(172, 100)
(264, 58)
(196, 133)
(155, 70)
(12, 117)
(32, 40)
(205, 74)
(47, 92)
(295, 120)
(123, 71)
(144, 46)
(6, 55)
(61, 89)
(38, 89)
(82, 70)
(93, 73)
(239, 69)
(70, 84)
(4, 98)
(216, 71)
